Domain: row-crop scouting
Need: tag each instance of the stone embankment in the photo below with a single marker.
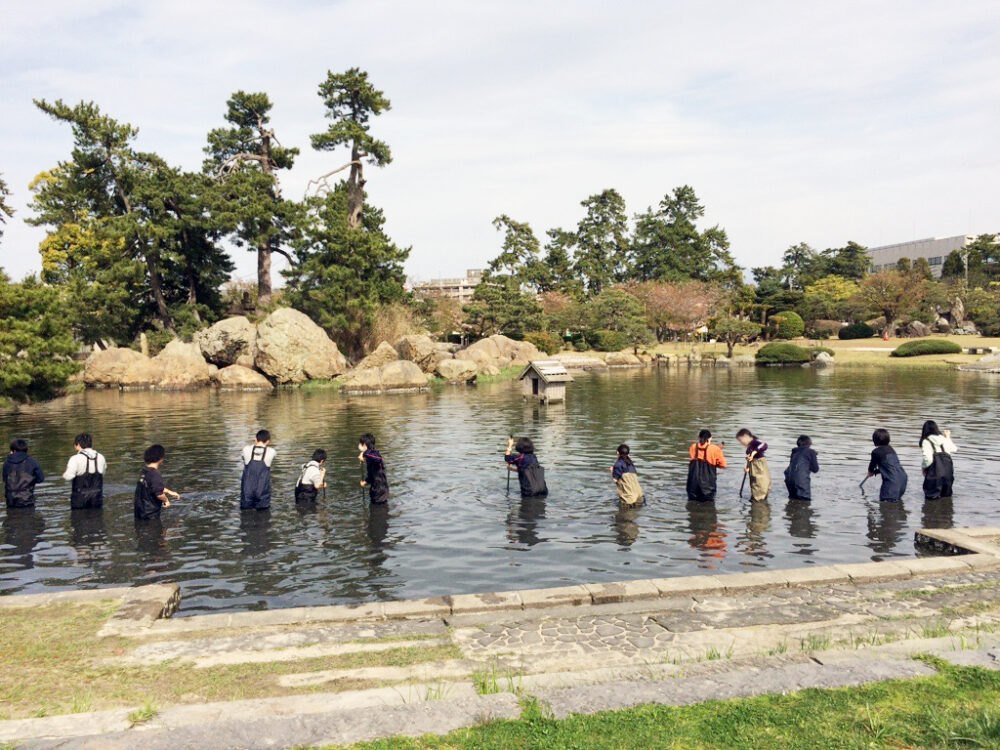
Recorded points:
(576, 649)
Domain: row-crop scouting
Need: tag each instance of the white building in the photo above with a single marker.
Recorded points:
(934, 249)
(460, 288)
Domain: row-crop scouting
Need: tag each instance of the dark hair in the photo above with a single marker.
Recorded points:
(319, 455)
(524, 445)
(19, 445)
(263, 436)
(704, 435)
(880, 437)
(745, 433)
(154, 453)
(623, 451)
(367, 440)
(930, 428)
(83, 440)
(804, 441)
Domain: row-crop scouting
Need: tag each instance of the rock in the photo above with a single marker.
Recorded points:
(292, 349)
(402, 374)
(240, 378)
(957, 313)
(577, 361)
(458, 370)
(942, 325)
(444, 346)
(179, 366)
(988, 363)
(745, 360)
(916, 328)
(823, 359)
(384, 354)
(366, 379)
(232, 341)
(107, 367)
(144, 373)
(622, 359)
(484, 353)
(721, 360)
(418, 349)
(490, 370)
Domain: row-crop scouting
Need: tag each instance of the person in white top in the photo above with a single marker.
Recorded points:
(312, 479)
(86, 470)
(936, 448)
(255, 486)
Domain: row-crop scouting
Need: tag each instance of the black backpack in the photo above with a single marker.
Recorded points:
(533, 481)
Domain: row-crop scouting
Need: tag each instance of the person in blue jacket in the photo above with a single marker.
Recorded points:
(886, 463)
(521, 457)
(21, 473)
(375, 477)
(801, 465)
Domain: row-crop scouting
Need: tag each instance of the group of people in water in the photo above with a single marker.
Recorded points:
(86, 468)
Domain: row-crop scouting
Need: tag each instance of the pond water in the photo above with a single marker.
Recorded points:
(450, 526)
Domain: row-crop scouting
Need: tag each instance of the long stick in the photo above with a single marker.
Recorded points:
(743, 483)
(862, 485)
(364, 476)
(507, 466)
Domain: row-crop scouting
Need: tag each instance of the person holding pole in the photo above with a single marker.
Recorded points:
(520, 457)
(756, 467)
(312, 478)
(885, 462)
(375, 478)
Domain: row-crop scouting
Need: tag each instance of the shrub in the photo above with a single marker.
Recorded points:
(604, 340)
(823, 329)
(580, 345)
(856, 331)
(786, 325)
(926, 346)
(783, 353)
(548, 342)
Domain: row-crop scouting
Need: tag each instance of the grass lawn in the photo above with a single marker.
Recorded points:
(54, 663)
(956, 708)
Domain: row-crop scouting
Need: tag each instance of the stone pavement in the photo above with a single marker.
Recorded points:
(669, 641)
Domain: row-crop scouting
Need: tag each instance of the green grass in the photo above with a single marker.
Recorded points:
(321, 384)
(957, 708)
(506, 373)
(143, 714)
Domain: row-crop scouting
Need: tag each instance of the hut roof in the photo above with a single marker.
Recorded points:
(548, 370)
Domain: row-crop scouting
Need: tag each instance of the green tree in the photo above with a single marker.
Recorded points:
(904, 265)
(351, 101)
(554, 271)
(772, 293)
(828, 298)
(850, 261)
(36, 345)
(800, 265)
(602, 241)
(983, 260)
(519, 251)
(615, 309)
(342, 274)
(922, 269)
(954, 266)
(500, 306)
(106, 178)
(6, 211)
(733, 331)
(246, 159)
(892, 293)
(982, 306)
(667, 245)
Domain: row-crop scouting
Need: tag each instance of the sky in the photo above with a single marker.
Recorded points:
(794, 122)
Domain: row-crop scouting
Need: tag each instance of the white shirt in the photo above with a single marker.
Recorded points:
(933, 443)
(312, 474)
(269, 454)
(77, 465)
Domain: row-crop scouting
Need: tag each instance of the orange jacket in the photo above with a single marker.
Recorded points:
(713, 454)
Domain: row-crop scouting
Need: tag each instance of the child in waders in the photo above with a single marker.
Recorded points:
(150, 493)
(375, 479)
(21, 473)
(886, 462)
(312, 479)
(756, 467)
(706, 459)
(255, 484)
(801, 465)
(86, 470)
(936, 448)
(626, 478)
(530, 474)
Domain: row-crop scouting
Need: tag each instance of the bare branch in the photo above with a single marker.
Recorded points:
(322, 184)
(230, 163)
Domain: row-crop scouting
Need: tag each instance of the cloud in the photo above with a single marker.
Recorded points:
(872, 121)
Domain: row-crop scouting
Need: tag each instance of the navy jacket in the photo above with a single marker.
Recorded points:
(21, 473)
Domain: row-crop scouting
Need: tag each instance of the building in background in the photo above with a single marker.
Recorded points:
(935, 249)
(460, 289)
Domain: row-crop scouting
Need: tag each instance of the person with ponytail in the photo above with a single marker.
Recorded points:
(936, 448)
(626, 478)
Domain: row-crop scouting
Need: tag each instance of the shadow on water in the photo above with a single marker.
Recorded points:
(450, 526)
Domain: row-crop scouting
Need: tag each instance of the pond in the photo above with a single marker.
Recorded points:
(450, 526)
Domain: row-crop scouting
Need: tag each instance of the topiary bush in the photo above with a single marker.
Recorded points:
(926, 346)
(783, 353)
(856, 331)
(547, 341)
(604, 340)
(786, 325)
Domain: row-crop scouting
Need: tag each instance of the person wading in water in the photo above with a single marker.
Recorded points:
(626, 478)
(255, 484)
(706, 459)
(375, 478)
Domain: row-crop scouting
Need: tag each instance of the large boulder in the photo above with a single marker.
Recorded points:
(394, 376)
(293, 349)
(989, 363)
(106, 368)
(916, 328)
(179, 366)
(419, 349)
(240, 378)
(622, 359)
(232, 341)
(957, 312)
(485, 353)
(384, 354)
(824, 359)
(362, 379)
(458, 370)
(578, 361)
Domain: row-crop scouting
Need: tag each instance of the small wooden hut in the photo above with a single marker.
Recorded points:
(545, 380)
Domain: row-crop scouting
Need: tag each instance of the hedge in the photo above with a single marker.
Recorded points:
(856, 331)
(780, 352)
(604, 340)
(786, 325)
(926, 346)
(547, 341)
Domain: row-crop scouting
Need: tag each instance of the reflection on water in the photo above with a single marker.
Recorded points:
(450, 525)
